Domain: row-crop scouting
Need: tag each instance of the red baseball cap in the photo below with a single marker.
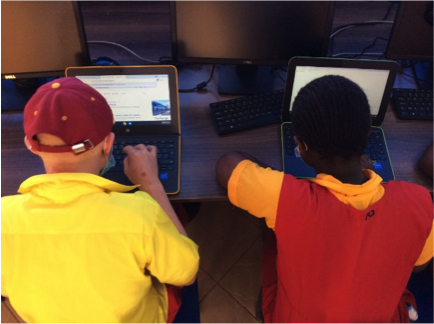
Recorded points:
(71, 110)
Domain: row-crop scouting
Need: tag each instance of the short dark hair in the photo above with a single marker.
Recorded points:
(331, 115)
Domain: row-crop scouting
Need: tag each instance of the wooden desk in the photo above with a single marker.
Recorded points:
(201, 146)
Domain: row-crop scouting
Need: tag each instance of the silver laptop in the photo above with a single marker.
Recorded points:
(376, 78)
(145, 105)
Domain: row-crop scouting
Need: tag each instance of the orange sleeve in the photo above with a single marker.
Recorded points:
(256, 190)
(427, 252)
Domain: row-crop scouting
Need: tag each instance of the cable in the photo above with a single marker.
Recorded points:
(201, 85)
(369, 23)
(366, 48)
(356, 54)
(278, 75)
(388, 10)
(123, 47)
(414, 75)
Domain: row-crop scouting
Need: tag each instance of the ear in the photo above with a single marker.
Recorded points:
(29, 146)
(302, 147)
(108, 143)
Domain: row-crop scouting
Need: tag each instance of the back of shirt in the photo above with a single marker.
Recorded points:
(73, 251)
(339, 264)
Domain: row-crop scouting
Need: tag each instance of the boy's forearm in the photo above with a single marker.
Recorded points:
(227, 163)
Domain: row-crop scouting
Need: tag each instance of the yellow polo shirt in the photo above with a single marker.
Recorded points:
(75, 249)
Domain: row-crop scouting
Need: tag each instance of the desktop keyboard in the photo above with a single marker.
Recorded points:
(414, 103)
(247, 112)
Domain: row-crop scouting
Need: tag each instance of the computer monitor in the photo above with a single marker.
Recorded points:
(246, 37)
(411, 37)
(41, 39)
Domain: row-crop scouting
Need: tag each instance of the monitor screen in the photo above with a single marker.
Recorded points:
(249, 33)
(412, 33)
(41, 38)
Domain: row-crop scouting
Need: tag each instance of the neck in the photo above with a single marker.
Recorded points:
(346, 171)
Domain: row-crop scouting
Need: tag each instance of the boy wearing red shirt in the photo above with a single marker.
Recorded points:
(344, 244)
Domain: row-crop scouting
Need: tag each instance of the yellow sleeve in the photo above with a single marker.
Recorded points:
(256, 190)
(173, 258)
(427, 252)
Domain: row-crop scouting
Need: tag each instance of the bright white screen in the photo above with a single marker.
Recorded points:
(373, 82)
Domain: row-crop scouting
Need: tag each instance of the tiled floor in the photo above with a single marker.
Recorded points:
(230, 246)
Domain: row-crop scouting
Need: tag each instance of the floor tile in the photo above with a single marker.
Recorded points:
(204, 283)
(223, 236)
(219, 307)
(255, 220)
(243, 281)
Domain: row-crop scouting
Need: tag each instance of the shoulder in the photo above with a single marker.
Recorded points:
(407, 189)
(133, 205)
(410, 197)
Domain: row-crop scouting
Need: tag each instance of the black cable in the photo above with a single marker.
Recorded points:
(278, 75)
(202, 84)
(392, 3)
(414, 75)
(416, 79)
(369, 46)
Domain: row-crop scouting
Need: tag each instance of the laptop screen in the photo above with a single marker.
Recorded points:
(135, 99)
(376, 78)
(373, 82)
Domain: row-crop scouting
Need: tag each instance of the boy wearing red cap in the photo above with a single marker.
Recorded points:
(344, 244)
(75, 246)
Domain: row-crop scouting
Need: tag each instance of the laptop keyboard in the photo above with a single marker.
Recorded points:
(165, 154)
(247, 112)
(414, 103)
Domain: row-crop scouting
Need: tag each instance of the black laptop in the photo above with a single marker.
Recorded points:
(376, 78)
(145, 104)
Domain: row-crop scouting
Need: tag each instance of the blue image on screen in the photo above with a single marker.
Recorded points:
(160, 107)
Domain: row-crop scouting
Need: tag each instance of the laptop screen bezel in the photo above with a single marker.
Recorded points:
(390, 66)
(119, 128)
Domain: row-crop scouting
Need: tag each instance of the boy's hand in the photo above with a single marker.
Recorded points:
(141, 166)
(366, 163)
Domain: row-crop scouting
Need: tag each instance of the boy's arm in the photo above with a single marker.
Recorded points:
(141, 167)
(228, 162)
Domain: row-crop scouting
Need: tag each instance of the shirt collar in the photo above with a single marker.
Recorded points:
(358, 196)
(71, 179)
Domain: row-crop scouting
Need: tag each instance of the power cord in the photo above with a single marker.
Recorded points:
(125, 48)
(201, 85)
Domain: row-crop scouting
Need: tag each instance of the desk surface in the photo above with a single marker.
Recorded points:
(201, 146)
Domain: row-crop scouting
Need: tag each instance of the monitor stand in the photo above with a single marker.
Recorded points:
(423, 74)
(245, 79)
